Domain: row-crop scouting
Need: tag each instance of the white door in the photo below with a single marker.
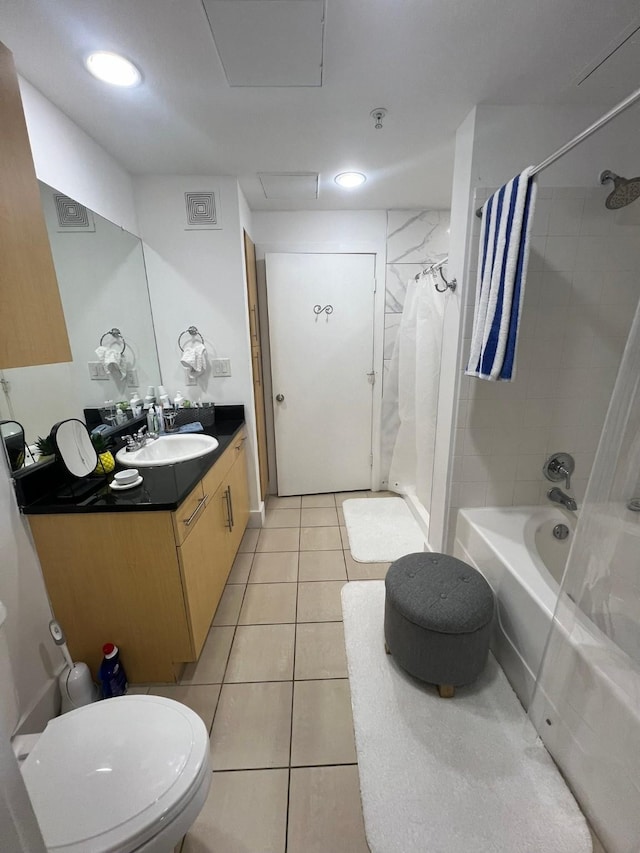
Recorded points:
(321, 337)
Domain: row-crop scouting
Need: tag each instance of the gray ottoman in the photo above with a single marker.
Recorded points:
(437, 619)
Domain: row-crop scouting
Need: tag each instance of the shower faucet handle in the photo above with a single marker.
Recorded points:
(559, 466)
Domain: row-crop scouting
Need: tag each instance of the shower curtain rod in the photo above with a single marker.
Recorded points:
(586, 133)
(433, 268)
(437, 267)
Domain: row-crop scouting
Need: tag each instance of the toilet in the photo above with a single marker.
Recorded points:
(124, 775)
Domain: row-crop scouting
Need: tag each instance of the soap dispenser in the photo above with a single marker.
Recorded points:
(152, 420)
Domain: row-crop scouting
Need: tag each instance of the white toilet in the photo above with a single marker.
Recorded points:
(125, 775)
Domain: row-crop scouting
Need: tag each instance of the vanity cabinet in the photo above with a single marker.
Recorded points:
(32, 324)
(148, 581)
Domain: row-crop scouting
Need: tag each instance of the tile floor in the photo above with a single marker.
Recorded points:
(272, 687)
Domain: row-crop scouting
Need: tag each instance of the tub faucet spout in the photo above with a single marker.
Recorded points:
(559, 497)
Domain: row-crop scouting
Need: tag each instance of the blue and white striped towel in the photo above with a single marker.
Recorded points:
(502, 269)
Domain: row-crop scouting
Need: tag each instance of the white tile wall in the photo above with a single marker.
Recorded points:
(415, 238)
(581, 293)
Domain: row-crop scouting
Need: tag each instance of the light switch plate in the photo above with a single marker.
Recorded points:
(221, 366)
(132, 378)
(97, 370)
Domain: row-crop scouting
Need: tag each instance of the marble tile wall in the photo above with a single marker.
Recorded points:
(415, 239)
(581, 293)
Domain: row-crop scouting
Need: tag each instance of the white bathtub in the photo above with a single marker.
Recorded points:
(587, 709)
(516, 551)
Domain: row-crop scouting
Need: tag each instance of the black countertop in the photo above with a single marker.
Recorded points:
(163, 488)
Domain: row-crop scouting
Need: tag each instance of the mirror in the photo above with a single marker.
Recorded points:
(74, 447)
(12, 435)
(103, 286)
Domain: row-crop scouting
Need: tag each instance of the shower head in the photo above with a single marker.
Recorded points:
(625, 190)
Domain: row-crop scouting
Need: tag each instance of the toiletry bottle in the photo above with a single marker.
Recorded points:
(136, 405)
(111, 673)
(178, 400)
(152, 420)
(150, 397)
(159, 420)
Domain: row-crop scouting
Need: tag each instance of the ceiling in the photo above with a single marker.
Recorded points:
(428, 62)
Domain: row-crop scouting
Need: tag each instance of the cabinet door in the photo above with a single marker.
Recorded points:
(32, 325)
(204, 562)
(239, 497)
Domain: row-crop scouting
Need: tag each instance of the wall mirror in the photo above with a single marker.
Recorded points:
(103, 285)
(12, 435)
(74, 447)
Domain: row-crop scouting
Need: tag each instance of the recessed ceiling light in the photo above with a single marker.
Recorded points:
(113, 68)
(350, 179)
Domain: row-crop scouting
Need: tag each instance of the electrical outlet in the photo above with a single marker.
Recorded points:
(132, 378)
(189, 379)
(221, 366)
(97, 370)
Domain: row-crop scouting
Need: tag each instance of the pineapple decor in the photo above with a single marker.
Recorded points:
(46, 450)
(106, 462)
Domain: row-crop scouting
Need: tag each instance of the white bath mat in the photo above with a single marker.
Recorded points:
(381, 529)
(448, 775)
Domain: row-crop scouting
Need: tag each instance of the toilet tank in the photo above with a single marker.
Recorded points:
(9, 712)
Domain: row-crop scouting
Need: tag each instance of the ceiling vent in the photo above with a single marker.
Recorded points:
(72, 216)
(288, 186)
(203, 213)
(268, 42)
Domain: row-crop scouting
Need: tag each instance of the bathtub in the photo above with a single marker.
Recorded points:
(516, 551)
(587, 705)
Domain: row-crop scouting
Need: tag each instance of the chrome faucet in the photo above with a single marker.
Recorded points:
(139, 439)
(559, 497)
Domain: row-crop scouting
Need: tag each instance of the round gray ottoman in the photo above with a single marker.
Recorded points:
(437, 619)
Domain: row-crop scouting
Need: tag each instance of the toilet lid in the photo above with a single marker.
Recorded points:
(110, 775)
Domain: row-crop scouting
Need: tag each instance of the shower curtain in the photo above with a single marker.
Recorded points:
(415, 367)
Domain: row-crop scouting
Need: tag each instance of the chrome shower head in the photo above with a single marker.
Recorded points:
(625, 190)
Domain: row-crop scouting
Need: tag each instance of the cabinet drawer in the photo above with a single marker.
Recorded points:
(188, 513)
(216, 475)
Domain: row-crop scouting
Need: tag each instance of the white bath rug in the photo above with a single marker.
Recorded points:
(448, 775)
(381, 529)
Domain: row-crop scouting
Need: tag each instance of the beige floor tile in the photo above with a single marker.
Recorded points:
(201, 698)
(240, 570)
(365, 571)
(245, 811)
(285, 539)
(319, 517)
(275, 567)
(320, 539)
(325, 811)
(344, 536)
(341, 497)
(137, 689)
(384, 494)
(252, 726)
(322, 731)
(322, 566)
(269, 603)
(319, 601)
(210, 667)
(341, 520)
(318, 500)
(320, 651)
(262, 653)
(230, 604)
(274, 502)
(249, 541)
(281, 518)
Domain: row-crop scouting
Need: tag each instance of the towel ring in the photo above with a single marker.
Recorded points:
(190, 331)
(115, 333)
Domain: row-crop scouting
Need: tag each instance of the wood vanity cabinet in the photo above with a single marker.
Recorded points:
(32, 324)
(148, 581)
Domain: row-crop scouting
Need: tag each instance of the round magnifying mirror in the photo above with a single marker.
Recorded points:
(12, 434)
(74, 446)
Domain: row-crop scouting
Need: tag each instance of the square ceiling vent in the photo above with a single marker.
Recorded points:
(289, 185)
(268, 42)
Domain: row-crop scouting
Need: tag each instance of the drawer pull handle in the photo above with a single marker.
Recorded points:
(227, 496)
(231, 509)
(201, 503)
(240, 443)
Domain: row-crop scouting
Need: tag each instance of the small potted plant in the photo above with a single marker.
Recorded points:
(46, 449)
(106, 462)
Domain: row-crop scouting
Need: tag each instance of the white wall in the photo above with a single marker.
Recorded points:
(198, 278)
(343, 231)
(69, 160)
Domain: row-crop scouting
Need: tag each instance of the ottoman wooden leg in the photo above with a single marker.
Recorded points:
(446, 691)
(386, 648)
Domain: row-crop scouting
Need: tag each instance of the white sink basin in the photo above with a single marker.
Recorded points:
(167, 450)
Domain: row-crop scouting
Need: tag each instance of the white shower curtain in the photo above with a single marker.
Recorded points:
(415, 366)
